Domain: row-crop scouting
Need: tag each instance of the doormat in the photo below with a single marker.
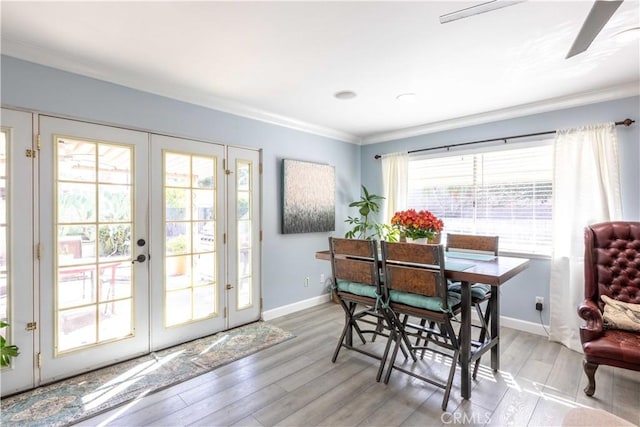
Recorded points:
(86, 395)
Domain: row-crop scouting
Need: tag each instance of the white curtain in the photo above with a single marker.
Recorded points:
(395, 171)
(586, 190)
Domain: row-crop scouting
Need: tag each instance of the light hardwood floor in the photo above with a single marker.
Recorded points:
(295, 384)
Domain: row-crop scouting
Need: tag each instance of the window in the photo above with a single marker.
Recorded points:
(505, 193)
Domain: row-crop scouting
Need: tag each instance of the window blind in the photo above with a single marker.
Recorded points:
(504, 192)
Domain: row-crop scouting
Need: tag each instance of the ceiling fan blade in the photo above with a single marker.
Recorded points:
(599, 15)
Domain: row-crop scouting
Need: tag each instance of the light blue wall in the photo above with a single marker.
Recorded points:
(518, 295)
(287, 259)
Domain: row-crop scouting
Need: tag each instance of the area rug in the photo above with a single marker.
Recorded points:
(75, 399)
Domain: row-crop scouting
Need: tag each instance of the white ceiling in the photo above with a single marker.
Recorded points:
(282, 62)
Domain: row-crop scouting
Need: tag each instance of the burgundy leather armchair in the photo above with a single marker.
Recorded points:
(611, 268)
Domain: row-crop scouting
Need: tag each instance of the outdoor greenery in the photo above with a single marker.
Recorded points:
(114, 240)
(177, 244)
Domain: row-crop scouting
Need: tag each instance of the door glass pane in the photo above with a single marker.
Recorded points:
(244, 196)
(113, 202)
(76, 202)
(190, 235)
(5, 283)
(94, 223)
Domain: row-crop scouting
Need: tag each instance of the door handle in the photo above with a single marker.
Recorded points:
(139, 258)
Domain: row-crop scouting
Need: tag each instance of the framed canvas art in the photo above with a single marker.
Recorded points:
(308, 197)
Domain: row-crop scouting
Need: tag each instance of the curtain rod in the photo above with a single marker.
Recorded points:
(626, 122)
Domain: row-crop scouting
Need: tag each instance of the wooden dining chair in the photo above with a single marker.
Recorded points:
(480, 293)
(356, 283)
(416, 288)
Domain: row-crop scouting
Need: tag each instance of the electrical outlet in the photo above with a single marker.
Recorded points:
(322, 278)
(539, 303)
(306, 281)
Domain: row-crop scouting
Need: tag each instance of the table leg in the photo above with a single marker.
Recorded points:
(495, 327)
(465, 341)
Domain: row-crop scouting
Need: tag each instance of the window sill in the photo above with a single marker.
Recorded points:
(525, 255)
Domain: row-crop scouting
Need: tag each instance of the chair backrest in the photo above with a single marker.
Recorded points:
(414, 268)
(355, 260)
(612, 262)
(470, 242)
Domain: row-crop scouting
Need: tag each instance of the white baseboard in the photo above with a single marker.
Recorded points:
(296, 306)
(523, 325)
(509, 322)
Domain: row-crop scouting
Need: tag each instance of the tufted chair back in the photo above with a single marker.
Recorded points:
(612, 262)
(611, 268)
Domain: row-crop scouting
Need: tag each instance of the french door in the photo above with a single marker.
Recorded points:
(243, 286)
(93, 226)
(187, 189)
(142, 241)
(203, 195)
(17, 305)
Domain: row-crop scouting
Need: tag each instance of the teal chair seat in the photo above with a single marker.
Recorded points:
(479, 291)
(357, 288)
(421, 301)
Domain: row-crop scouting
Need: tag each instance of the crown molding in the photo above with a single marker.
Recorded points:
(64, 62)
(560, 103)
(248, 112)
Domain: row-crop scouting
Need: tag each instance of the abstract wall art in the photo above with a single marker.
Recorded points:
(308, 197)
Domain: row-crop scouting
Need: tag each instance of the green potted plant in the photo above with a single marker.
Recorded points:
(6, 351)
(366, 226)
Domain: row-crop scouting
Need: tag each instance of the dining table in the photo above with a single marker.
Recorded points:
(469, 268)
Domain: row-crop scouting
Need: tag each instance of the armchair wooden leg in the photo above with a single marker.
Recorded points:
(590, 370)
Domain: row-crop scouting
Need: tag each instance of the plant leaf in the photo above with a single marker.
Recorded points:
(6, 353)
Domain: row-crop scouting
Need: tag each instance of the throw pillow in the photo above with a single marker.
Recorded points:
(621, 315)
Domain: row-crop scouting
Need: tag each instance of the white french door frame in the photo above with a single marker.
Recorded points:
(163, 335)
(244, 259)
(239, 284)
(22, 298)
(55, 364)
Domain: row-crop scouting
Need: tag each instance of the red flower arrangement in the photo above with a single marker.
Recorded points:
(417, 224)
